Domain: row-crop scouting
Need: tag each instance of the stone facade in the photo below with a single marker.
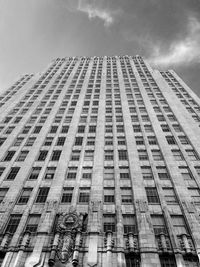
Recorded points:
(100, 166)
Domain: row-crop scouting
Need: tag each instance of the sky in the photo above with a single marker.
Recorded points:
(164, 32)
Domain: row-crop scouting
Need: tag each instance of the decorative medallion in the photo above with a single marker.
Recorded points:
(68, 225)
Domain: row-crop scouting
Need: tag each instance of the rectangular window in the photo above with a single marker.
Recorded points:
(30, 141)
(78, 141)
(165, 128)
(3, 192)
(170, 196)
(37, 129)
(60, 141)
(89, 155)
(42, 156)
(56, 155)
(109, 195)
(139, 140)
(109, 223)
(184, 140)
(192, 154)
(147, 172)
(65, 129)
(129, 223)
(195, 194)
(34, 173)
(124, 172)
(108, 173)
(42, 195)
(18, 141)
(179, 224)
(142, 155)
(159, 225)
(178, 156)
(84, 195)
(71, 174)
(25, 194)
(32, 223)
(126, 195)
(50, 172)
(122, 155)
(75, 155)
(13, 173)
(48, 141)
(87, 173)
(186, 173)
(9, 155)
(13, 223)
(108, 154)
(152, 140)
(167, 261)
(67, 195)
(157, 155)
(152, 195)
(22, 155)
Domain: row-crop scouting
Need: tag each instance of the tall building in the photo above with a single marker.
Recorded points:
(100, 166)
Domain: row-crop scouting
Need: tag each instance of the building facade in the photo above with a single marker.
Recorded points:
(100, 166)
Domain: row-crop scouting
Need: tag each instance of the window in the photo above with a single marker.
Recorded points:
(178, 156)
(179, 224)
(109, 195)
(48, 141)
(71, 174)
(84, 195)
(177, 128)
(65, 129)
(139, 140)
(184, 140)
(32, 223)
(108, 140)
(121, 140)
(129, 223)
(108, 173)
(171, 140)
(152, 195)
(148, 128)
(122, 155)
(132, 261)
(136, 128)
(167, 261)
(192, 154)
(120, 128)
(162, 172)
(158, 224)
(109, 223)
(186, 174)
(9, 155)
(152, 140)
(25, 194)
(22, 155)
(13, 173)
(67, 195)
(37, 129)
(92, 129)
(108, 154)
(75, 155)
(170, 196)
(195, 195)
(50, 172)
(56, 155)
(42, 156)
(78, 141)
(87, 173)
(81, 129)
(142, 155)
(147, 172)
(2, 140)
(30, 141)
(3, 192)
(60, 141)
(18, 141)
(108, 129)
(157, 155)
(13, 223)
(126, 195)
(165, 128)
(2, 169)
(42, 195)
(89, 155)
(34, 173)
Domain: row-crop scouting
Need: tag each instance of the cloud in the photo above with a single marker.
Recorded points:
(185, 51)
(95, 9)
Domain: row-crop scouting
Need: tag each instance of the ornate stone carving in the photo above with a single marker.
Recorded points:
(68, 226)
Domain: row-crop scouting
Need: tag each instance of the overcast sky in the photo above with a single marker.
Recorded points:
(165, 32)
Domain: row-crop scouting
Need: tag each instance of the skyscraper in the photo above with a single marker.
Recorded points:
(100, 166)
